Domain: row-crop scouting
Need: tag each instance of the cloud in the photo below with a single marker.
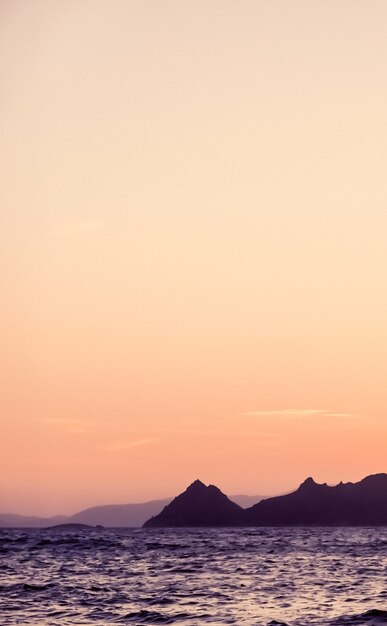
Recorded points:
(219, 432)
(119, 446)
(68, 425)
(75, 227)
(76, 430)
(61, 420)
(298, 413)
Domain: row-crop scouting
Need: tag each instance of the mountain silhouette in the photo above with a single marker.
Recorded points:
(12, 520)
(199, 505)
(120, 515)
(110, 515)
(351, 504)
(246, 501)
(347, 504)
(312, 504)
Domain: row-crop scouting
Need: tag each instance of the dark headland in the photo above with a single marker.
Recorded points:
(198, 506)
(347, 504)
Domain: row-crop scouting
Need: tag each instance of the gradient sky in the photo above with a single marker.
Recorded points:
(193, 208)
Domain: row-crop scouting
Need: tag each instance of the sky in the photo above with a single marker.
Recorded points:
(193, 265)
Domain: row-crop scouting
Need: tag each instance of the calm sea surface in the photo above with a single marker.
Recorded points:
(242, 576)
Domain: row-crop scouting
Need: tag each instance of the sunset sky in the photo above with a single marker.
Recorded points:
(193, 247)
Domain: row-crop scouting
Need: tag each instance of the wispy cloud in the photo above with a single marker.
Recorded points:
(75, 227)
(297, 413)
(76, 430)
(202, 432)
(120, 446)
(66, 421)
(71, 426)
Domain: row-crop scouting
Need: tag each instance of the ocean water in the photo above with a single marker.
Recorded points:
(200, 576)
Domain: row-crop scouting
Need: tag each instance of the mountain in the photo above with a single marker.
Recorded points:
(199, 505)
(351, 504)
(10, 520)
(109, 515)
(245, 501)
(120, 515)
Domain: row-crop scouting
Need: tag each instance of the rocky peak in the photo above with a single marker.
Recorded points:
(196, 486)
(308, 484)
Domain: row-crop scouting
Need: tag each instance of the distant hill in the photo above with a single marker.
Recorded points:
(246, 501)
(113, 515)
(351, 504)
(70, 526)
(109, 515)
(120, 515)
(9, 520)
(199, 505)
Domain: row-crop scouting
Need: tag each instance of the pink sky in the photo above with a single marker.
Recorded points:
(193, 257)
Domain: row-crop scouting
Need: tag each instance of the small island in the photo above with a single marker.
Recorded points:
(71, 526)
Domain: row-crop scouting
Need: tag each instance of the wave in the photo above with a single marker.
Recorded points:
(372, 617)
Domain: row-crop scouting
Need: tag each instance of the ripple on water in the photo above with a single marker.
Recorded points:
(252, 577)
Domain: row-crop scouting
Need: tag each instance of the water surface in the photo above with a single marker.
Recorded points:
(257, 577)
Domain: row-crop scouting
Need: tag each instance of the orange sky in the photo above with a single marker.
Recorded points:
(192, 247)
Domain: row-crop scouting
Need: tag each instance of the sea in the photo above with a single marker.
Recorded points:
(257, 576)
